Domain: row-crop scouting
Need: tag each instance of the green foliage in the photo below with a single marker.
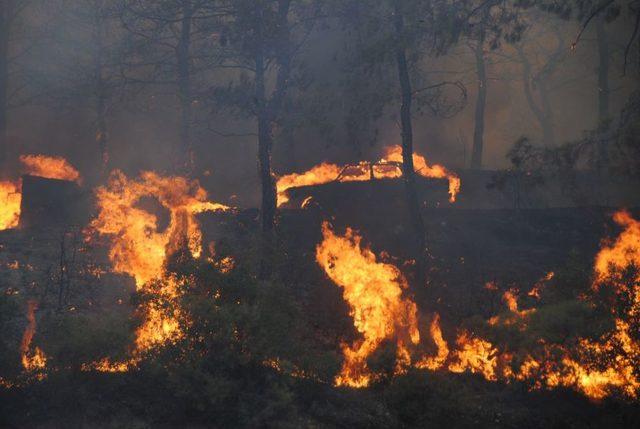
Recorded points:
(73, 338)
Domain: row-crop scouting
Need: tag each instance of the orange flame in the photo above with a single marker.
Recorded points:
(436, 171)
(516, 315)
(140, 249)
(624, 251)
(437, 361)
(374, 292)
(50, 167)
(323, 173)
(475, 355)
(388, 167)
(10, 198)
(32, 360)
(596, 368)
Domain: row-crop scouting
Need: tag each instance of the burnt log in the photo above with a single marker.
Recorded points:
(52, 203)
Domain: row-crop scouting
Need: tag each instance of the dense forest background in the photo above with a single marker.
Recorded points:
(130, 76)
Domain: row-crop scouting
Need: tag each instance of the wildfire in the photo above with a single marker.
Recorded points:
(50, 167)
(140, 248)
(10, 198)
(389, 167)
(32, 359)
(373, 290)
(595, 367)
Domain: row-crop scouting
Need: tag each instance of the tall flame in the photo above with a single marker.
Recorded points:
(50, 167)
(437, 361)
(374, 292)
(32, 359)
(10, 198)
(388, 167)
(140, 249)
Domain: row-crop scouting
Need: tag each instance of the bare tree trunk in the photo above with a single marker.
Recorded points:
(184, 154)
(481, 102)
(408, 169)
(4, 78)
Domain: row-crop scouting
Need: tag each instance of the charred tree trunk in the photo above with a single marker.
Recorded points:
(183, 155)
(4, 78)
(481, 102)
(408, 170)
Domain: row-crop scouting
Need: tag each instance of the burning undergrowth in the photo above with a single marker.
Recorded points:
(197, 313)
(597, 367)
(140, 248)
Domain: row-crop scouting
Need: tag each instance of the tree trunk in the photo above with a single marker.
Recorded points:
(408, 170)
(4, 79)
(548, 133)
(268, 187)
(603, 90)
(481, 101)
(101, 133)
(102, 136)
(603, 71)
(183, 155)
(542, 113)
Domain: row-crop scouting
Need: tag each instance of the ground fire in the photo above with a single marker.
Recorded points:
(374, 293)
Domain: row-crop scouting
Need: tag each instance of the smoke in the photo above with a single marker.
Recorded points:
(143, 124)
